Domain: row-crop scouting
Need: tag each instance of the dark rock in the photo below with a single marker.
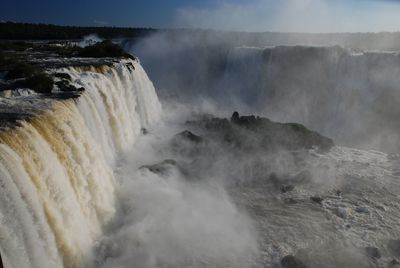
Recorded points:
(162, 167)
(40, 82)
(130, 66)
(273, 178)
(317, 199)
(394, 246)
(290, 261)
(287, 188)
(67, 87)
(21, 70)
(189, 136)
(63, 95)
(362, 210)
(372, 252)
(104, 49)
(235, 117)
(290, 201)
(394, 264)
(257, 133)
(63, 76)
(144, 131)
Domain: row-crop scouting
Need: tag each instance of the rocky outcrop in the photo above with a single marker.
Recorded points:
(253, 132)
(33, 76)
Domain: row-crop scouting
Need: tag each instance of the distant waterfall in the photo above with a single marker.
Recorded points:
(56, 177)
(342, 93)
(242, 76)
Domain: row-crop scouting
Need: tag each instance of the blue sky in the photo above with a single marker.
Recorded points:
(243, 15)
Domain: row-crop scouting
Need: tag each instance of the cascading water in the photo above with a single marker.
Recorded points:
(349, 95)
(56, 179)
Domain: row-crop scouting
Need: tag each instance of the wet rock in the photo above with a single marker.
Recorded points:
(394, 246)
(63, 76)
(290, 201)
(341, 212)
(130, 66)
(258, 133)
(372, 252)
(287, 188)
(235, 117)
(364, 210)
(189, 136)
(144, 131)
(291, 261)
(161, 168)
(394, 264)
(317, 199)
(65, 86)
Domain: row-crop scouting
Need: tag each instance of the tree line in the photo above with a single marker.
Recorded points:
(30, 31)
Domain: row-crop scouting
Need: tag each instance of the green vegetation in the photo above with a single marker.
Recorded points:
(28, 31)
(29, 76)
(21, 70)
(104, 49)
(40, 82)
(15, 45)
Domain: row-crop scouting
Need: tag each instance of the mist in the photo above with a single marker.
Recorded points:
(320, 208)
(168, 217)
(328, 83)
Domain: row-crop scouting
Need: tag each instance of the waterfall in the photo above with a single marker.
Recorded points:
(56, 179)
(243, 74)
(339, 92)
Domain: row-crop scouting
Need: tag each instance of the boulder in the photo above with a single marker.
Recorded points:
(342, 212)
(364, 210)
(65, 86)
(316, 199)
(291, 261)
(189, 136)
(161, 168)
(394, 246)
(372, 252)
(63, 76)
(394, 264)
(287, 188)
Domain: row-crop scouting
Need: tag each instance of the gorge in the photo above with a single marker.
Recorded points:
(108, 170)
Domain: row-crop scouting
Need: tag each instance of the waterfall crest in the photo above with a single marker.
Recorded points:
(57, 182)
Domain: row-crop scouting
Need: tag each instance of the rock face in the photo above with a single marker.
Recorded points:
(189, 136)
(290, 261)
(373, 252)
(251, 132)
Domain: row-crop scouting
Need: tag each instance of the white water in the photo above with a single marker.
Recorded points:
(56, 172)
(72, 193)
